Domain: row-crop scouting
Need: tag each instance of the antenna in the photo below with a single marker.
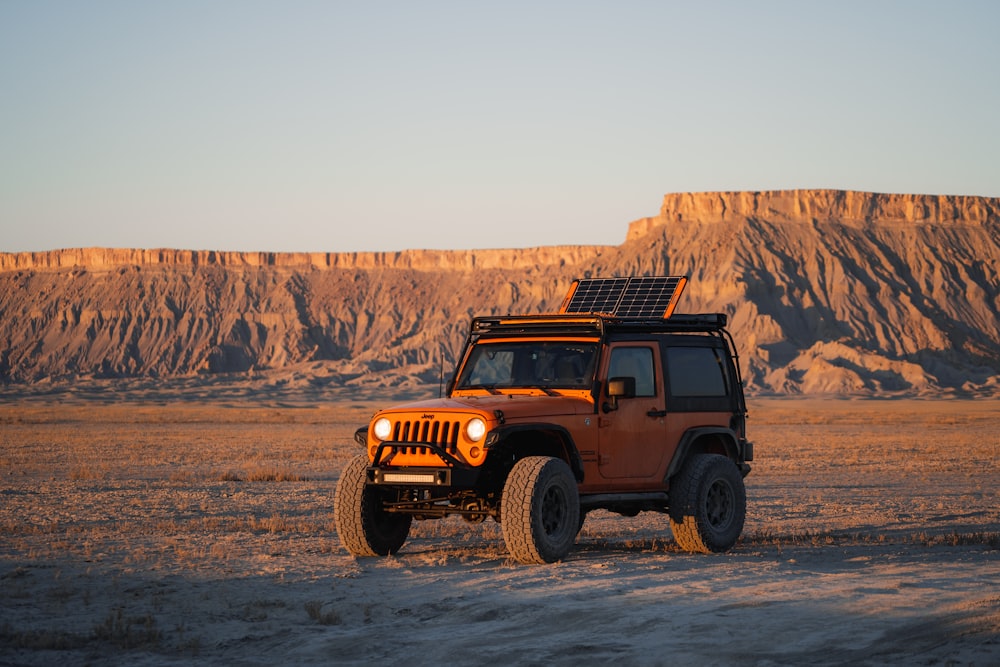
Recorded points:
(440, 370)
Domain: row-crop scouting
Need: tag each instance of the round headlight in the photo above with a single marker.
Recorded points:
(475, 429)
(382, 428)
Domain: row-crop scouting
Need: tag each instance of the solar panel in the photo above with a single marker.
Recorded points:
(597, 295)
(636, 297)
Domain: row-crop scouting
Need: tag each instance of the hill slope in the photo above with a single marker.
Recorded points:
(828, 292)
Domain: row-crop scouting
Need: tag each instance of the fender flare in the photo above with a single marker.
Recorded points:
(496, 438)
(726, 436)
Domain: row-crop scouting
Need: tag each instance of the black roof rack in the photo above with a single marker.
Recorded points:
(677, 322)
(540, 324)
(593, 325)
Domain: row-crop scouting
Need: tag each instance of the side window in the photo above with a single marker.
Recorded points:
(696, 372)
(634, 362)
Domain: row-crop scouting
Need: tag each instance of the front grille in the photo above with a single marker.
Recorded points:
(427, 431)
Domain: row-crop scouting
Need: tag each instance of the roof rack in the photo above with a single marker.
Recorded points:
(596, 325)
(677, 322)
(539, 324)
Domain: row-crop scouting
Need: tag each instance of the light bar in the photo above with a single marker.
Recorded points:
(409, 478)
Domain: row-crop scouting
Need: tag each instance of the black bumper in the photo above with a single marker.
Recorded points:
(410, 477)
(456, 475)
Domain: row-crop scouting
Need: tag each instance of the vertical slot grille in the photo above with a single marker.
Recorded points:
(427, 431)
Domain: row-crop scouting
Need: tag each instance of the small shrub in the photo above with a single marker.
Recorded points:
(40, 640)
(84, 473)
(263, 474)
(315, 610)
(134, 632)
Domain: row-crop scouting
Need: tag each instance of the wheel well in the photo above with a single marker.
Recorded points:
(538, 440)
(703, 441)
(712, 444)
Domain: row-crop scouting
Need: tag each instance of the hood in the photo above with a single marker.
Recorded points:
(515, 407)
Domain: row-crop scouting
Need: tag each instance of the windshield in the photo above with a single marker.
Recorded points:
(537, 364)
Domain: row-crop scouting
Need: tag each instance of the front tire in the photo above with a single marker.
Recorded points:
(708, 504)
(365, 528)
(540, 510)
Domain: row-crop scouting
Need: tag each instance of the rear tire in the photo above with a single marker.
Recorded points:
(365, 528)
(708, 504)
(540, 510)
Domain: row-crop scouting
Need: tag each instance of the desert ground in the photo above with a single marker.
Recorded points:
(155, 527)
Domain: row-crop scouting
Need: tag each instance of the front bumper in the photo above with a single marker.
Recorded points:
(411, 477)
(457, 474)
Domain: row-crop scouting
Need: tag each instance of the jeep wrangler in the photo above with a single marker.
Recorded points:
(612, 403)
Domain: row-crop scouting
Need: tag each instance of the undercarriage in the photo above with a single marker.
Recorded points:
(426, 504)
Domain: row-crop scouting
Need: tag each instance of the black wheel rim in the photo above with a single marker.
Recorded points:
(719, 504)
(554, 510)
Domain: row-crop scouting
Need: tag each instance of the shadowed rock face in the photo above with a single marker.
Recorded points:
(828, 292)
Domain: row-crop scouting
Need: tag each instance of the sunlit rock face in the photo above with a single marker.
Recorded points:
(828, 292)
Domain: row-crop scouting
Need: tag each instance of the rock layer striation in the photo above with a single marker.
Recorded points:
(829, 292)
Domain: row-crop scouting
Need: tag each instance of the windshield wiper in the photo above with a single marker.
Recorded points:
(488, 387)
(548, 392)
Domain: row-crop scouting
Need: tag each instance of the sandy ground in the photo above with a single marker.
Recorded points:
(151, 529)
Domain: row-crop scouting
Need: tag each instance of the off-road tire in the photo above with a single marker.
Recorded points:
(708, 504)
(365, 528)
(540, 510)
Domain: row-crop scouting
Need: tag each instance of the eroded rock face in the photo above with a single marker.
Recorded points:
(827, 291)
(100, 259)
(813, 206)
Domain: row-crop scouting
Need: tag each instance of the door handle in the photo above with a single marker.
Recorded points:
(656, 413)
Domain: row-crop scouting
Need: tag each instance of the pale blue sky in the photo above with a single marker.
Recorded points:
(345, 126)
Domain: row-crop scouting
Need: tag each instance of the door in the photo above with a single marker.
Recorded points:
(632, 433)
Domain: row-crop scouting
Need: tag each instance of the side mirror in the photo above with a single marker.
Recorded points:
(619, 387)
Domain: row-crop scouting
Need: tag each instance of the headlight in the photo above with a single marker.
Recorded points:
(475, 429)
(382, 428)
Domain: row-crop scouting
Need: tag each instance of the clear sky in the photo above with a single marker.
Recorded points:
(334, 126)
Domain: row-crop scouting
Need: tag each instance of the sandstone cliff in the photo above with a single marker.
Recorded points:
(818, 206)
(100, 259)
(829, 292)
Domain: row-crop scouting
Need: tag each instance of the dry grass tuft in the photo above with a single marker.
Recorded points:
(261, 474)
(956, 539)
(88, 472)
(315, 610)
(41, 639)
(128, 632)
(766, 537)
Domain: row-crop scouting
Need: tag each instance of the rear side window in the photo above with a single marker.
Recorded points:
(697, 372)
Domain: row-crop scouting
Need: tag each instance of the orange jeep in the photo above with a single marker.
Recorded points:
(613, 403)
